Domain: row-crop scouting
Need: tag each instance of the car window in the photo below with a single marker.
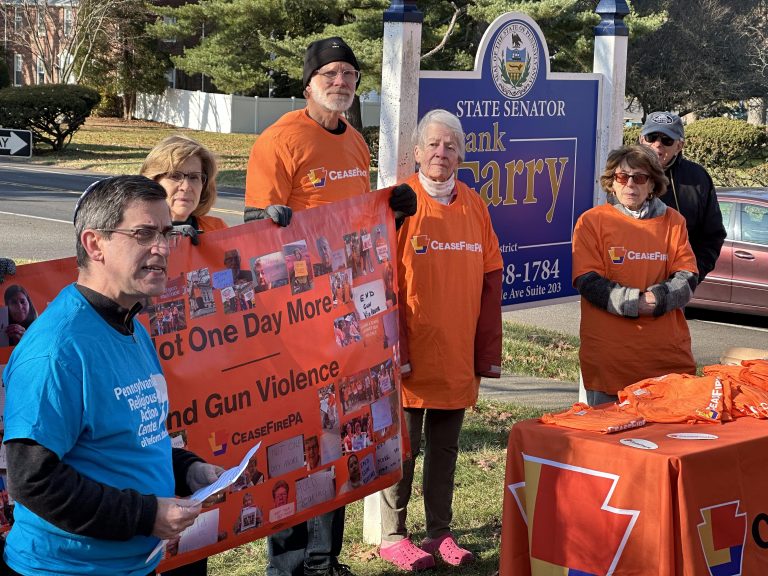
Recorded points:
(754, 224)
(726, 208)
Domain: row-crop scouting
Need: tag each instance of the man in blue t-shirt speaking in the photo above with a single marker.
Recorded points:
(90, 464)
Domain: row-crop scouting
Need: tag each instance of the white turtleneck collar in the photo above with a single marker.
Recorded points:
(440, 191)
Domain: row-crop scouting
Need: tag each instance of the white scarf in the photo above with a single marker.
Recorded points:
(440, 191)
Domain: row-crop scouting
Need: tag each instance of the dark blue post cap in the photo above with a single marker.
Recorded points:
(403, 11)
(612, 13)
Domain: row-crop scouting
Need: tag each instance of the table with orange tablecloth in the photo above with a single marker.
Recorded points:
(640, 502)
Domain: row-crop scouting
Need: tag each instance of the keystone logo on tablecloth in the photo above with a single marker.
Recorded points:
(722, 536)
(559, 527)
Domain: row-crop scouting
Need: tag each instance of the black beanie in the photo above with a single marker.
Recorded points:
(322, 52)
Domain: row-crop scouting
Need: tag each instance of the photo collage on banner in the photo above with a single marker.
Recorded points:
(284, 336)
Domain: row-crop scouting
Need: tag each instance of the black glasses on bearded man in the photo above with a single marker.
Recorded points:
(196, 178)
(349, 76)
(148, 236)
(653, 136)
(623, 177)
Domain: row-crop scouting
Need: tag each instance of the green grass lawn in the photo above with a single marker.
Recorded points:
(477, 505)
(115, 146)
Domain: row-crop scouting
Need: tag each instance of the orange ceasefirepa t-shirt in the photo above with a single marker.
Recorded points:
(616, 350)
(445, 251)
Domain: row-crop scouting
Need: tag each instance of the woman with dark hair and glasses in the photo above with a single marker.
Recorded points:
(187, 170)
(635, 271)
(21, 312)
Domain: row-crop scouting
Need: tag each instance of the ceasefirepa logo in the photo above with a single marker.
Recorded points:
(317, 177)
(617, 254)
(723, 534)
(218, 441)
(420, 243)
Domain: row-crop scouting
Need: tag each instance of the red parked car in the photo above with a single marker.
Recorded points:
(739, 282)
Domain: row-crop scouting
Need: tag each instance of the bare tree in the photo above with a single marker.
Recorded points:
(59, 34)
(448, 32)
(755, 28)
(695, 60)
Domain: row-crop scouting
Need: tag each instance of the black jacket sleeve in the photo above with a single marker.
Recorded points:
(692, 193)
(59, 494)
(182, 460)
(707, 239)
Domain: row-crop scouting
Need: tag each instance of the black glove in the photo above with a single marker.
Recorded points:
(281, 215)
(403, 201)
(189, 231)
(7, 267)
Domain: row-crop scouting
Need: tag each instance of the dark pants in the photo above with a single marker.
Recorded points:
(309, 548)
(441, 429)
(198, 568)
(595, 397)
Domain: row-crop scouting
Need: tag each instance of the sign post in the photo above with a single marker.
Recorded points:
(610, 60)
(15, 142)
(399, 91)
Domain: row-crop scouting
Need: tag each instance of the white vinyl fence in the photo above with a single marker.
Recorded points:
(226, 113)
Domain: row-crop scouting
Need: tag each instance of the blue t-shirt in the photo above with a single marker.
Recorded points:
(97, 399)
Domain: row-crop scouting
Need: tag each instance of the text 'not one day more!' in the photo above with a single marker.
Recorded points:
(199, 338)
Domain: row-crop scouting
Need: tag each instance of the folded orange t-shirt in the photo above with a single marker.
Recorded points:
(748, 400)
(678, 398)
(583, 417)
(755, 373)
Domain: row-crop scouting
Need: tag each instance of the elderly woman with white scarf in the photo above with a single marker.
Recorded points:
(449, 284)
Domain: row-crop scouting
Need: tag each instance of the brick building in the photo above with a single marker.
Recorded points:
(36, 39)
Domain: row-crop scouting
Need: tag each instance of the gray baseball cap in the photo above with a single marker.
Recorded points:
(667, 123)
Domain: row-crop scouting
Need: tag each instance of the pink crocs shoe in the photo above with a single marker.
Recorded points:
(407, 556)
(450, 552)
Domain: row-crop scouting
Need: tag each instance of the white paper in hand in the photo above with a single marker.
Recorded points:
(226, 479)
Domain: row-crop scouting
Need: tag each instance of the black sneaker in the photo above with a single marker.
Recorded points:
(340, 570)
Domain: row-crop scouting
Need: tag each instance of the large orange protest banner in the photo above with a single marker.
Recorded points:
(284, 336)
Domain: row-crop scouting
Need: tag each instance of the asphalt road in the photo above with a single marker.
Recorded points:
(36, 206)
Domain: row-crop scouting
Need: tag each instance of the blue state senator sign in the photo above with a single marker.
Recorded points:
(531, 149)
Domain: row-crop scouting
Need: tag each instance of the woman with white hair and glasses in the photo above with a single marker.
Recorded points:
(635, 271)
(450, 305)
